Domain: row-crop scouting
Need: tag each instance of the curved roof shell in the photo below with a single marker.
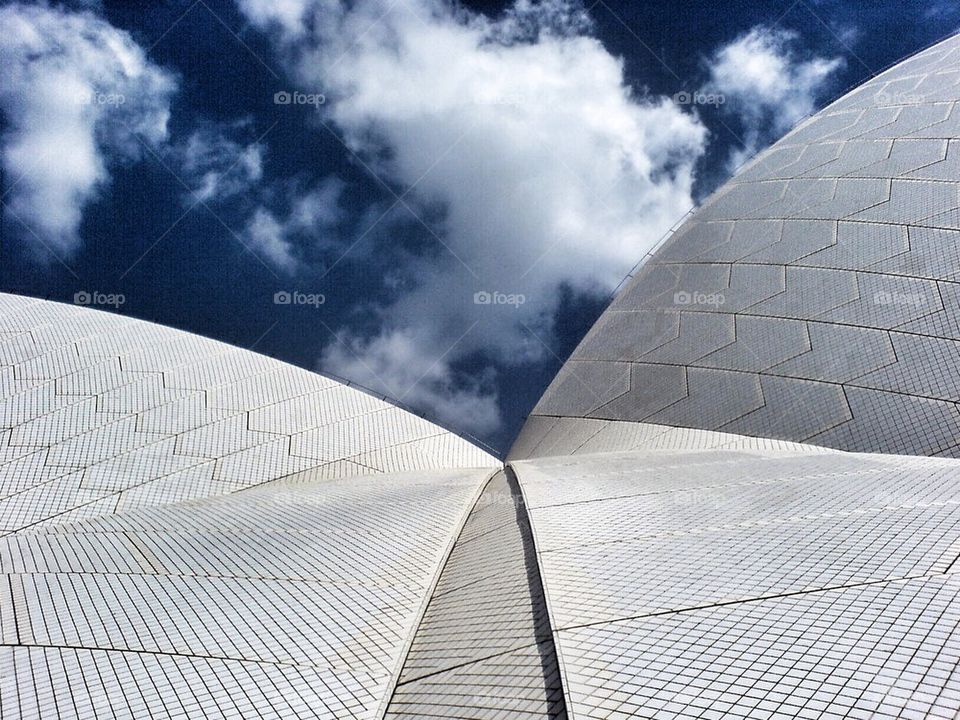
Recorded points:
(100, 413)
(815, 297)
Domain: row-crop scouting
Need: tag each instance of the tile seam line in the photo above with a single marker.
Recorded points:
(101, 359)
(756, 373)
(820, 143)
(552, 426)
(179, 434)
(551, 616)
(118, 494)
(167, 436)
(201, 530)
(393, 681)
(868, 270)
(194, 656)
(597, 432)
(720, 529)
(289, 477)
(482, 535)
(949, 569)
(718, 486)
(13, 609)
(473, 661)
(758, 599)
(747, 524)
(200, 462)
(799, 262)
(332, 584)
(226, 347)
(441, 434)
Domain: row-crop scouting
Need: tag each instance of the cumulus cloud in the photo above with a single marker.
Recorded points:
(77, 94)
(768, 84)
(517, 150)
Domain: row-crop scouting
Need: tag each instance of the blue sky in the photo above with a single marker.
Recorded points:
(445, 195)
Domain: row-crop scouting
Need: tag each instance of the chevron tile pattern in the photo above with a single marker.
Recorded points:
(815, 297)
(101, 413)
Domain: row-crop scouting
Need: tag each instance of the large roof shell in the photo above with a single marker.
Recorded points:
(100, 413)
(814, 298)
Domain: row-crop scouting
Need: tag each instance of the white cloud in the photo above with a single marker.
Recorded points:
(219, 167)
(283, 221)
(545, 167)
(395, 363)
(318, 208)
(310, 218)
(288, 15)
(767, 84)
(268, 238)
(75, 93)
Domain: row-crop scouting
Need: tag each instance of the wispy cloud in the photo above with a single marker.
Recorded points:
(219, 167)
(766, 81)
(309, 221)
